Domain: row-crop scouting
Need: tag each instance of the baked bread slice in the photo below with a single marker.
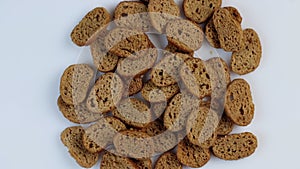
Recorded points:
(225, 126)
(106, 93)
(75, 82)
(110, 161)
(71, 137)
(235, 146)
(173, 49)
(132, 85)
(86, 31)
(143, 164)
(168, 160)
(248, 59)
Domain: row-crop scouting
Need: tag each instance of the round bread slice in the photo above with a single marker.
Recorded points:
(173, 49)
(143, 164)
(133, 112)
(139, 66)
(126, 43)
(93, 138)
(192, 155)
(200, 11)
(106, 93)
(239, 106)
(77, 113)
(85, 32)
(166, 72)
(225, 126)
(132, 86)
(134, 144)
(196, 78)
(75, 82)
(178, 110)
(234, 13)
(185, 35)
(153, 93)
(71, 137)
(110, 160)
(235, 146)
(161, 12)
(168, 160)
(102, 58)
(132, 15)
(201, 127)
(230, 32)
(248, 59)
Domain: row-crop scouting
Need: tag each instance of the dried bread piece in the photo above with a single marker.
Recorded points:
(72, 138)
(153, 93)
(248, 59)
(239, 106)
(230, 32)
(132, 15)
(75, 82)
(110, 161)
(185, 35)
(225, 126)
(134, 144)
(200, 11)
(106, 93)
(235, 146)
(168, 160)
(161, 12)
(143, 164)
(158, 109)
(99, 135)
(92, 24)
(77, 113)
(133, 112)
(133, 85)
(173, 49)
(234, 13)
(192, 155)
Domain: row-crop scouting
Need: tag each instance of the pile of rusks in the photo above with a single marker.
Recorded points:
(142, 105)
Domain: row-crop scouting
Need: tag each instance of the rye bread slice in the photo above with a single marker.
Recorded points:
(166, 71)
(234, 13)
(225, 126)
(105, 94)
(248, 59)
(230, 32)
(178, 110)
(77, 113)
(239, 106)
(153, 93)
(126, 43)
(158, 109)
(134, 144)
(72, 138)
(161, 12)
(201, 127)
(139, 66)
(173, 49)
(132, 15)
(85, 32)
(143, 164)
(185, 35)
(168, 160)
(99, 135)
(75, 82)
(113, 161)
(235, 146)
(192, 155)
(133, 85)
(200, 11)
(102, 58)
(196, 78)
(133, 112)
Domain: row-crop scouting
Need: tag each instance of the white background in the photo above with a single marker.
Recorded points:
(36, 48)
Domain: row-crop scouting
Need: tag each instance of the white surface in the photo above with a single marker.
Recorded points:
(36, 48)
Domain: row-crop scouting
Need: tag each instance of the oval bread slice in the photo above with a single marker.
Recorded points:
(110, 161)
(168, 160)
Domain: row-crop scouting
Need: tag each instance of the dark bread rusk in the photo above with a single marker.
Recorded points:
(91, 24)
(113, 161)
(133, 112)
(192, 155)
(185, 35)
(239, 106)
(161, 12)
(235, 146)
(230, 32)
(168, 160)
(225, 126)
(75, 82)
(133, 85)
(105, 94)
(143, 164)
(173, 49)
(71, 137)
(77, 113)
(100, 135)
(248, 59)
(132, 15)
